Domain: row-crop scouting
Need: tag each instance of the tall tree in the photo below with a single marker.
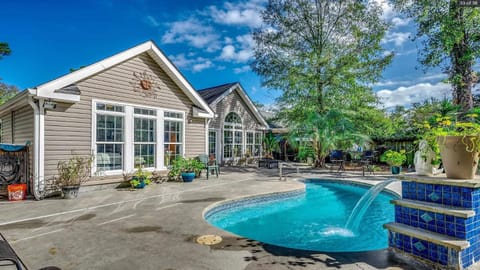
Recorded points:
(4, 49)
(322, 55)
(7, 92)
(450, 35)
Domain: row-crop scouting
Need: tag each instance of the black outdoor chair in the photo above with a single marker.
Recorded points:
(367, 162)
(337, 158)
(9, 258)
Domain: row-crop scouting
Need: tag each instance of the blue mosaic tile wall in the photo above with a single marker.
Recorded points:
(435, 222)
(427, 250)
(462, 228)
(442, 194)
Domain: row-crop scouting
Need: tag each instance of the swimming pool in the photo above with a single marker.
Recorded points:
(310, 220)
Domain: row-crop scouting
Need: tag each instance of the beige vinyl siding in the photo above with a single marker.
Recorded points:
(68, 128)
(234, 103)
(23, 125)
(195, 137)
(7, 128)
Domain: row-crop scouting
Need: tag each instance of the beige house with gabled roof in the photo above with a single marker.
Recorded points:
(237, 129)
(134, 107)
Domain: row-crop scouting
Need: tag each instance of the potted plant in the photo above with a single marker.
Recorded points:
(186, 168)
(140, 179)
(72, 173)
(458, 143)
(395, 160)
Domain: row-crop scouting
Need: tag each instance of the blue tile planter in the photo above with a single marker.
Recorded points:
(442, 208)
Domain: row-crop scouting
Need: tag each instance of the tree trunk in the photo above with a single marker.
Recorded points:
(461, 76)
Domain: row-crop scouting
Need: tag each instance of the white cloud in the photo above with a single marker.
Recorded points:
(193, 32)
(152, 21)
(194, 64)
(398, 38)
(398, 22)
(201, 66)
(405, 96)
(432, 77)
(241, 69)
(241, 13)
(241, 52)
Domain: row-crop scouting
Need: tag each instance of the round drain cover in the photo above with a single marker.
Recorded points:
(209, 239)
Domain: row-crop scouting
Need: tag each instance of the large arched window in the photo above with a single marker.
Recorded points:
(232, 136)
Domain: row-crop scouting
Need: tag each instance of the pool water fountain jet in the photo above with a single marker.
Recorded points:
(362, 205)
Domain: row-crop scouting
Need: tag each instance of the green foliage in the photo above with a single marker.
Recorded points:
(305, 151)
(319, 52)
(270, 144)
(323, 133)
(7, 92)
(181, 164)
(450, 36)
(4, 49)
(394, 158)
(446, 126)
(323, 56)
(74, 171)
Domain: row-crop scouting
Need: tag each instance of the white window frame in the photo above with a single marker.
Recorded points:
(260, 144)
(152, 117)
(183, 130)
(128, 125)
(94, 135)
(235, 127)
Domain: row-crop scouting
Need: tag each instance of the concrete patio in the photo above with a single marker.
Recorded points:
(156, 228)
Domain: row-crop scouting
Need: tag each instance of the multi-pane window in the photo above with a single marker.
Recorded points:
(232, 136)
(109, 137)
(144, 137)
(173, 136)
(227, 143)
(127, 137)
(237, 147)
(212, 142)
(258, 144)
(249, 144)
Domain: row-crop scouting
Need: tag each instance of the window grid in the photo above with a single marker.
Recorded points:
(249, 143)
(212, 143)
(258, 144)
(144, 142)
(109, 137)
(173, 137)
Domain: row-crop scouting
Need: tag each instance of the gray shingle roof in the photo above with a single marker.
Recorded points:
(212, 93)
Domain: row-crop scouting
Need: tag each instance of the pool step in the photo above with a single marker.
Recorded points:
(436, 208)
(436, 238)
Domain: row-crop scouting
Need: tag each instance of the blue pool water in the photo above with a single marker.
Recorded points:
(313, 220)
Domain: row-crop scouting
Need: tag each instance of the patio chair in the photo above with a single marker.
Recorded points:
(366, 161)
(337, 158)
(210, 164)
(9, 259)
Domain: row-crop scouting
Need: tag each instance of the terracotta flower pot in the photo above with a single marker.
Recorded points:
(458, 162)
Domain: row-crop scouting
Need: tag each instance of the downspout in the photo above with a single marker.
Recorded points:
(207, 129)
(37, 185)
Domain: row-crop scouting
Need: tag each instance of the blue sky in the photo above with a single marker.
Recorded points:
(209, 41)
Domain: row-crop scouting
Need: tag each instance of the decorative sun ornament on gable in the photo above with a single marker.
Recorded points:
(144, 83)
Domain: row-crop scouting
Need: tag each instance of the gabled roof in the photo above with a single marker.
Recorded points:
(215, 94)
(63, 88)
(212, 93)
